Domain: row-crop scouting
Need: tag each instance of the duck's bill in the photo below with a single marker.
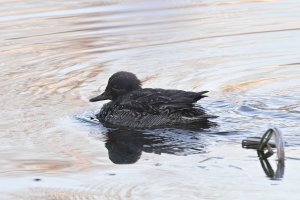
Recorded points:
(101, 97)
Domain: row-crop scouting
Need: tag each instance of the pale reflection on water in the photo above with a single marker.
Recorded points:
(56, 54)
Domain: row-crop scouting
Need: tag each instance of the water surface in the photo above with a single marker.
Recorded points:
(55, 55)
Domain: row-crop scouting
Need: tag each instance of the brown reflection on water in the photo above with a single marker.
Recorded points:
(247, 84)
(40, 165)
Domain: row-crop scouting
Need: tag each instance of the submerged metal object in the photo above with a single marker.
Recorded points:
(265, 148)
(264, 144)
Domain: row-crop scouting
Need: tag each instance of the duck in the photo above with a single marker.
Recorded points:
(132, 106)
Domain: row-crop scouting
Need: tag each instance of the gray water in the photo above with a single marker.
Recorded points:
(55, 55)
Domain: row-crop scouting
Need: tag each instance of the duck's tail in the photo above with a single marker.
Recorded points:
(200, 95)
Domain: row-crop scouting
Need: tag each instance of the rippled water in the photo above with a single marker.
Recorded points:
(55, 55)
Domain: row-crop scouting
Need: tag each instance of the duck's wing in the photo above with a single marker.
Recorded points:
(157, 101)
(179, 98)
(150, 108)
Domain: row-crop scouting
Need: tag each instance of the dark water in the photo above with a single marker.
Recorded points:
(55, 55)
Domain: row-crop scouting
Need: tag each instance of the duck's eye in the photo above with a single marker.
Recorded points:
(117, 87)
(119, 90)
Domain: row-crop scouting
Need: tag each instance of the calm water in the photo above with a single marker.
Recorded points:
(55, 55)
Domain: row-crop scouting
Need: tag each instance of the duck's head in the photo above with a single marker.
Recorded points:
(119, 84)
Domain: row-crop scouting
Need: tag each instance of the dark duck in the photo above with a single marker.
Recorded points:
(131, 106)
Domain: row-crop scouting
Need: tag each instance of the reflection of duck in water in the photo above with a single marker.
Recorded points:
(126, 146)
(134, 107)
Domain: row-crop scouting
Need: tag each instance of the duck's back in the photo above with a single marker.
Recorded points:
(148, 108)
